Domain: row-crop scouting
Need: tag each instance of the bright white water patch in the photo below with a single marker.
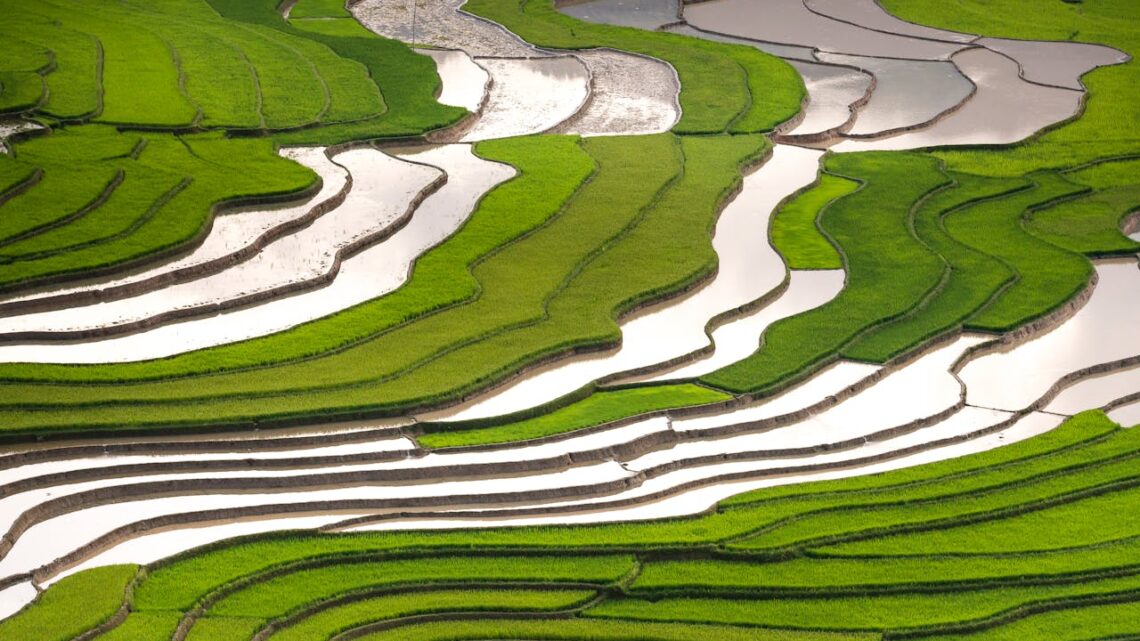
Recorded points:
(908, 93)
(529, 96)
(1096, 391)
(371, 273)
(231, 232)
(14, 598)
(790, 22)
(739, 338)
(826, 383)
(1005, 109)
(464, 82)
(699, 499)
(915, 391)
(1104, 330)
(159, 545)
(1127, 415)
(748, 269)
(383, 193)
(55, 537)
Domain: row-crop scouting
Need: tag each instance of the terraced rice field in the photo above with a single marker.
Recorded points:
(780, 320)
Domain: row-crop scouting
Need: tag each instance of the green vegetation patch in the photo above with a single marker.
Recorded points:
(795, 231)
(71, 606)
(328, 623)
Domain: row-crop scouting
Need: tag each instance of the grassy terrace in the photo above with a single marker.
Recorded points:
(1038, 534)
(554, 289)
(1036, 540)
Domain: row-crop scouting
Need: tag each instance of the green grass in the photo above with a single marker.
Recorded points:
(864, 612)
(599, 630)
(880, 568)
(325, 625)
(724, 87)
(974, 276)
(888, 271)
(1046, 275)
(1068, 624)
(148, 626)
(178, 586)
(595, 409)
(71, 606)
(167, 197)
(795, 232)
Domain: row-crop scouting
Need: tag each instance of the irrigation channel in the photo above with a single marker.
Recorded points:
(874, 82)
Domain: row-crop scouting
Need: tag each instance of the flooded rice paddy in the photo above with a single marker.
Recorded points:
(874, 82)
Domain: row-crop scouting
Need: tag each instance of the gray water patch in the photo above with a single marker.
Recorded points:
(464, 82)
(440, 23)
(373, 272)
(643, 14)
(907, 92)
(787, 52)
(630, 95)
(1056, 63)
(529, 96)
(1005, 109)
(869, 14)
(832, 92)
(790, 22)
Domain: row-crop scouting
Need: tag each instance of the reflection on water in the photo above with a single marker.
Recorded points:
(464, 82)
(1056, 63)
(789, 22)
(529, 96)
(1127, 415)
(1096, 391)
(373, 272)
(831, 92)
(870, 14)
(1103, 330)
(1005, 109)
(382, 191)
(907, 92)
(788, 52)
